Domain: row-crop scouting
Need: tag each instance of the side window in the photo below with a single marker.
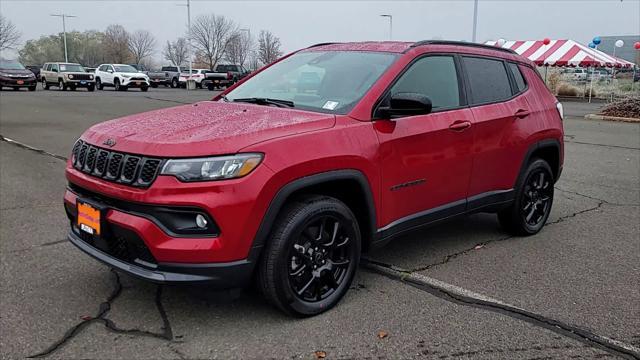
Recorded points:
(433, 76)
(517, 75)
(48, 67)
(54, 67)
(488, 80)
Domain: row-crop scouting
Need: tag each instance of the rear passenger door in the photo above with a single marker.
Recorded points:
(500, 117)
(425, 160)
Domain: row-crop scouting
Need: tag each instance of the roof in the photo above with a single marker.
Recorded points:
(562, 53)
(398, 46)
(381, 46)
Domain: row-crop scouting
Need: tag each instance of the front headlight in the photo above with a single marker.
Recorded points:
(212, 168)
(70, 76)
(126, 75)
(90, 77)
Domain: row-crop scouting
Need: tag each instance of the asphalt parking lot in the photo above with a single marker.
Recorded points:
(460, 290)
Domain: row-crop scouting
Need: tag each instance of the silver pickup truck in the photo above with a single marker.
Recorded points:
(167, 76)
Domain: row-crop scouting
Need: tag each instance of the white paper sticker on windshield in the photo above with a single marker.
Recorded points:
(63, 68)
(330, 105)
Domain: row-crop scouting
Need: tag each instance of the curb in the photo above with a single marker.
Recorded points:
(611, 118)
(580, 99)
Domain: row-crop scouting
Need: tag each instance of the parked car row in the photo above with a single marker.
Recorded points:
(72, 76)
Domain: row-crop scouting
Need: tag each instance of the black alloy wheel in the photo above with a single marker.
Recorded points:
(319, 258)
(538, 191)
(311, 256)
(533, 200)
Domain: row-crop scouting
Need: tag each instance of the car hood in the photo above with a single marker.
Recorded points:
(203, 129)
(16, 71)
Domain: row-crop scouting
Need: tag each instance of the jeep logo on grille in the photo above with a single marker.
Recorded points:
(109, 142)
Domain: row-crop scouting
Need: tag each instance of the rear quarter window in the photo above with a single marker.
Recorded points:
(488, 80)
(521, 84)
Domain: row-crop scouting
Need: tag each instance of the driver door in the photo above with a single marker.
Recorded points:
(426, 159)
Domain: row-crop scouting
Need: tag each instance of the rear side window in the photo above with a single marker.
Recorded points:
(488, 80)
(517, 76)
(433, 76)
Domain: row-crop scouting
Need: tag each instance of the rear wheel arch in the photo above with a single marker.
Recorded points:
(547, 150)
(349, 186)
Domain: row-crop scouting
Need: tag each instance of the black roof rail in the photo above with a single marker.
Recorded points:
(461, 43)
(322, 44)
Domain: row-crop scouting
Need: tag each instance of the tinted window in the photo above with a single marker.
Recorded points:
(433, 76)
(517, 75)
(54, 67)
(488, 80)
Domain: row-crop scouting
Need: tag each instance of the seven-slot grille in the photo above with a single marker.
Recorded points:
(114, 166)
(81, 77)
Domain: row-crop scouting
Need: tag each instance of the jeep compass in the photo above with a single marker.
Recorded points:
(287, 177)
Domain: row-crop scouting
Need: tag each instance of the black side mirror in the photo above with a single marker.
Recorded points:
(406, 104)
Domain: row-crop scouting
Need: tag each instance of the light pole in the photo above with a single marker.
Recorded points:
(248, 31)
(188, 5)
(390, 24)
(475, 20)
(64, 32)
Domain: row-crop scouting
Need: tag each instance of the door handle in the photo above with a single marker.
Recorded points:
(460, 125)
(521, 113)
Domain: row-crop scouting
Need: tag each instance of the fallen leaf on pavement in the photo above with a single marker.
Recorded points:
(320, 354)
(478, 247)
(382, 334)
(86, 317)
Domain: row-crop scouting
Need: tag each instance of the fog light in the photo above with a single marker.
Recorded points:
(201, 221)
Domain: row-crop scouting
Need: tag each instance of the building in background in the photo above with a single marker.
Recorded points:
(626, 52)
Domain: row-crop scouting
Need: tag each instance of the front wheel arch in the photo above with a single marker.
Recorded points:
(362, 204)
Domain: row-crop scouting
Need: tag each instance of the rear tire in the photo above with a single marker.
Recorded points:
(311, 256)
(45, 85)
(534, 198)
(174, 83)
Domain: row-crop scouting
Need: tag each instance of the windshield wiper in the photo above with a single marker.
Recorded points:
(267, 101)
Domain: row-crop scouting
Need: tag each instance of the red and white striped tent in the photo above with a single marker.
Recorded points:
(563, 53)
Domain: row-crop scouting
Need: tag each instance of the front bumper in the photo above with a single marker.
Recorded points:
(17, 82)
(135, 83)
(80, 83)
(219, 275)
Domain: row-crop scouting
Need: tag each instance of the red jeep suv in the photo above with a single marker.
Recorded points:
(288, 176)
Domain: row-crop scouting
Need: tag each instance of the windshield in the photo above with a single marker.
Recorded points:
(71, 68)
(11, 65)
(125, 68)
(329, 81)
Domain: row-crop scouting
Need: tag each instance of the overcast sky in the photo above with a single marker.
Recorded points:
(302, 23)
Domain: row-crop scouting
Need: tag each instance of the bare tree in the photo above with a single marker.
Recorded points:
(268, 47)
(142, 43)
(211, 35)
(239, 47)
(176, 51)
(116, 44)
(9, 35)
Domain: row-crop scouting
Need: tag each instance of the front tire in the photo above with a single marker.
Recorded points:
(99, 84)
(61, 85)
(311, 256)
(534, 197)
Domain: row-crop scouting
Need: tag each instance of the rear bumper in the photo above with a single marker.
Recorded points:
(219, 275)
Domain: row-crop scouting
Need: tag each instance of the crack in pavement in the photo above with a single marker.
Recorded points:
(105, 307)
(603, 145)
(450, 257)
(50, 243)
(465, 297)
(29, 147)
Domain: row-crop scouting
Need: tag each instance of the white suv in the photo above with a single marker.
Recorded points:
(121, 77)
(196, 74)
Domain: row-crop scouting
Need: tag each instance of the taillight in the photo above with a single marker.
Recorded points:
(229, 75)
(560, 110)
